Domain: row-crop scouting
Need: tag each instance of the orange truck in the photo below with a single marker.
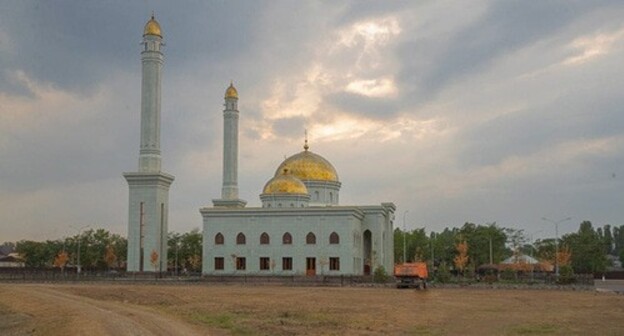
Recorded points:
(411, 275)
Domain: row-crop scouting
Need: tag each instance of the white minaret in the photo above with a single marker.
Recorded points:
(149, 187)
(229, 191)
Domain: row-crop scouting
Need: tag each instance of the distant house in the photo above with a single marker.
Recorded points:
(522, 262)
(11, 260)
(6, 249)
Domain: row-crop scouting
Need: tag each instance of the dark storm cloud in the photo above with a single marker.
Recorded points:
(77, 45)
(289, 128)
(504, 27)
(580, 113)
(364, 106)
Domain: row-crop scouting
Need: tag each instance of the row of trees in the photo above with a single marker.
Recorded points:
(101, 250)
(588, 248)
(485, 244)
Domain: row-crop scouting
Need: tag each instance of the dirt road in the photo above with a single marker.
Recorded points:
(43, 310)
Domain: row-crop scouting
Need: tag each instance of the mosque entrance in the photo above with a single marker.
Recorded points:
(368, 251)
(310, 266)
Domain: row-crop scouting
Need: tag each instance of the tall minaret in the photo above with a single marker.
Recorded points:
(229, 192)
(149, 187)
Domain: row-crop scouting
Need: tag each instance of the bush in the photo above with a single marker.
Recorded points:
(490, 278)
(380, 275)
(444, 274)
(566, 275)
(508, 274)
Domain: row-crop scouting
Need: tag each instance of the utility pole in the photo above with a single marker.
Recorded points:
(556, 240)
(491, 260)
(78, 266)
(432, 251)
(404, 233)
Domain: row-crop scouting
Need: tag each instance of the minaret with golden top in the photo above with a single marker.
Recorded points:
(229, 191)
(149, 187)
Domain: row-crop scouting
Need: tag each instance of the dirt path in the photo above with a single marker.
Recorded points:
(43, 310)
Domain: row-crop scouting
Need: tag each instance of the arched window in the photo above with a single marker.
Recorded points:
(264, 238)
(334, 238)
(331, 197)
(219, 239)
(240, 239)
(311, 239)
(286, 239)
(316, 196)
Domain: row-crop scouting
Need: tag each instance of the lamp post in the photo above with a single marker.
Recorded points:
(556, 240)
(432, 251)
(404, 233)
(177, 246)
(78, 266)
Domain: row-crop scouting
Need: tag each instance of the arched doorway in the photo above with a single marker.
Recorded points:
(367, 248)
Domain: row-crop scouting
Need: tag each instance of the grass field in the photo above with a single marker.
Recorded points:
(280, 310)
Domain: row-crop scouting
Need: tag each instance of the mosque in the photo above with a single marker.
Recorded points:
(299, 229)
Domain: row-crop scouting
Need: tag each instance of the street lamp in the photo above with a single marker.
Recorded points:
(78, 266)
(556, 240)
(432, 250)
(177, 246)
(404, 233)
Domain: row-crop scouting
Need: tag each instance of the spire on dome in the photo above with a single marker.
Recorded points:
(231, 91)
(305, 146)
(152, 27)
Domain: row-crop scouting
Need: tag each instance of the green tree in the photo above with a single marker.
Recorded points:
(479, 237)
(588, 250)
(608, 239)
(189, 250)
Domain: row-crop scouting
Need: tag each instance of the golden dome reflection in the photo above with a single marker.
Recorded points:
(309, 166)
(152, 27)
(231, 92)
(285, 183)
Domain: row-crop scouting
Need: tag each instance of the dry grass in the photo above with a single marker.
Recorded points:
(279, 310)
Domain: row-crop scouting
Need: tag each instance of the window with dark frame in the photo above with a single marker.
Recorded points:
(286, 239)
(265, 263)
(219, 263)
(311, 239)
(334, 238)
(287, 264)
(219, 239)
(264, 239)
(240, 239)
(241, 263)
(334, 264)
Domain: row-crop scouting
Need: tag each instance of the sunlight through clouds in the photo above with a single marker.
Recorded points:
(354, 60)
(376, 88)
(590, 47)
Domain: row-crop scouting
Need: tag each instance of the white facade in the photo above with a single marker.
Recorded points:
(149, 187)
(364, 240)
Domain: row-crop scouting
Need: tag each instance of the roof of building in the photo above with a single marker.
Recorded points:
(520, 258)
(231, 92)
(308, 166)
(285, 183)
(152, 27)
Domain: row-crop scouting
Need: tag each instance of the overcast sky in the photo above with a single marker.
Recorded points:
(456, 111)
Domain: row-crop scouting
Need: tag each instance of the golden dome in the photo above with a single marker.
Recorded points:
(308, 166)
(285, 183)
(152, 28)
(231, 92)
